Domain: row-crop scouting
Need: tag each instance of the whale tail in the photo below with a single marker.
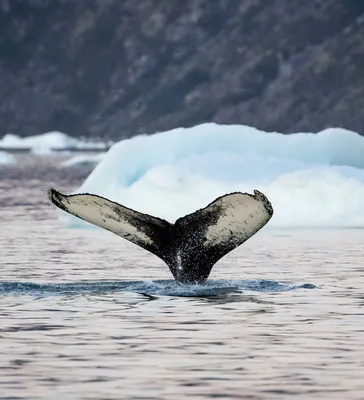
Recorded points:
(193, 244)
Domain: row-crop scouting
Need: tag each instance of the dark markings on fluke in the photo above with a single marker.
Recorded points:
(193, 244)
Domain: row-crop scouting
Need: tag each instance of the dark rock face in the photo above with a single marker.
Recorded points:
(111, 68)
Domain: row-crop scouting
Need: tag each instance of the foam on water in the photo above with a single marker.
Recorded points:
(313, 180)
(148, 288)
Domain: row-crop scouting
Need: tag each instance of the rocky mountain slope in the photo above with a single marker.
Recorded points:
(111, 68)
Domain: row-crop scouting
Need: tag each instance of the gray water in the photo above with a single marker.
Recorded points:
(87, 315)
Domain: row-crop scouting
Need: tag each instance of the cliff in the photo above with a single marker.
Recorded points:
(111, 68)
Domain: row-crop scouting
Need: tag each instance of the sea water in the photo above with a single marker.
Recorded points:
(85, 314)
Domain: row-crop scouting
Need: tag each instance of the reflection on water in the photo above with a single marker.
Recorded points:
(86, 315)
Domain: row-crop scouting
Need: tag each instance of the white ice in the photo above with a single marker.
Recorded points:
(44, 143)
(312, 180)
(83, 159)
(6, 158)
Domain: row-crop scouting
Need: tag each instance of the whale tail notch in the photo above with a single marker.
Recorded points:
(193, 244)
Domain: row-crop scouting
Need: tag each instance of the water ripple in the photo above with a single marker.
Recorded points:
(157, 287)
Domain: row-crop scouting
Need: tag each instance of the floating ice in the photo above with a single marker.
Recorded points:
(312, 180)
(84, 159)
(6, 158)
(46, 142)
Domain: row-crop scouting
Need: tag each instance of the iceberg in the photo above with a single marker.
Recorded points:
(46, 142)
(312, 179)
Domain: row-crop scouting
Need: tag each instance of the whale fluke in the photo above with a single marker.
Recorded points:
(193, 244)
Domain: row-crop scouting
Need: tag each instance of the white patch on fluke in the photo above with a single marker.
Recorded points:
(106, 214)
(241, 216)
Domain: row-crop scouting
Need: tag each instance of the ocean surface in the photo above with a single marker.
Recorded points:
(86, 315)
